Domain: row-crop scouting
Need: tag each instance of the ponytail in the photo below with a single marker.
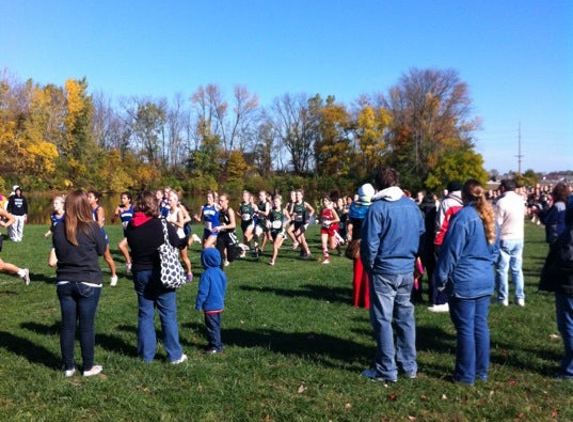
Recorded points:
(473, 191)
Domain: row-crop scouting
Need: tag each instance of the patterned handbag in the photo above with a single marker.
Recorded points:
(172, 273)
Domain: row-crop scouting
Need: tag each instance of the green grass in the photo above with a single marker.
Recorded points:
(294, 351)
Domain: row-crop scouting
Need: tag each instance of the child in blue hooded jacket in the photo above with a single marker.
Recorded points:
(211, 297)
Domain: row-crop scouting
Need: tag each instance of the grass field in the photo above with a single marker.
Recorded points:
(294, 351)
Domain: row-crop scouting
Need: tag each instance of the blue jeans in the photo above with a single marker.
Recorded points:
(213, 326)
(472, 352)
(390, 301)
(564, 311)
(510, 258)
(78, 304)
(150, 295)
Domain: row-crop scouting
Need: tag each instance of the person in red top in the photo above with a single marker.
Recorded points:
(449, 206)
(329, 220)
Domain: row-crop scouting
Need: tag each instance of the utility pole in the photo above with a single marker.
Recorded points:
(519, 155)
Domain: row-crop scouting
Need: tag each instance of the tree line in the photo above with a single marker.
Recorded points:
(62, 137)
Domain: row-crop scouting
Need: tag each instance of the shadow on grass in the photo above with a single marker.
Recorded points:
(29, 350)
(310, 291)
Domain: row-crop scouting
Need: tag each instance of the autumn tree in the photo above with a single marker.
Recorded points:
(147, 126)
(456, 163)
(292, 122)
(430, 113)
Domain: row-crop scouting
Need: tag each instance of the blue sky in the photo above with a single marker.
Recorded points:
(516, 56)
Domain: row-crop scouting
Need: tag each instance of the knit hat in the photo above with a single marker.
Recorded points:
(365, 192)
(454, 186)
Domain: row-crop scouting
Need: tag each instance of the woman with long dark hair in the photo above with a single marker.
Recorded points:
(78, 243)
(465, 270)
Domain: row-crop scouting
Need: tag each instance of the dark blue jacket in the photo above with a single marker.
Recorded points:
(212, 284)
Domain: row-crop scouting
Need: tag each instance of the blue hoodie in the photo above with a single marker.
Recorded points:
(391, 233)
(212, 284)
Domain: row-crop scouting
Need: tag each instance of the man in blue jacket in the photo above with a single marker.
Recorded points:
(391, 236)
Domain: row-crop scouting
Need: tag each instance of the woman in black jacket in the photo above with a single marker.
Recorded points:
(144, 235)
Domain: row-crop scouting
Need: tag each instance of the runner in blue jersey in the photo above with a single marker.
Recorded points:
(57, 216)
(209, 215)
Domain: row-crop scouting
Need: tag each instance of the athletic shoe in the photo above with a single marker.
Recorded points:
(520, 302)
(439, 308)
(305, 255)
(96, 369)
(113, 281)
(227, 263)
(195, 238)
(182, 359)
(272, 263)
(213, 351)
(128, 267)
(69, 372)
(243, 255)
(295, 246)
(189, 278)
(326, 261)
(244, 247)
(26, 276)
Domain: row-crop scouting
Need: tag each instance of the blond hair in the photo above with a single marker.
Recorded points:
(473, 191)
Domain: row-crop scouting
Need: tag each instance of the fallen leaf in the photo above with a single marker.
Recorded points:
(393, 397)
(268, 418)
(347, 406)
(522, 415)
(555, 413)
(553, 336)
(444, 397)
(423, 397)
(302, 389)
(511, 382)
(146, 389)
(412, 418)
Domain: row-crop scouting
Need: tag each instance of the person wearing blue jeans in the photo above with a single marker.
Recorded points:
(564, 312)
(510, 258)
(390, 300)
(469, 317)
(391, 234)
(509, 214)
(144, 235)
(77, 244)
(151, 295)
(78, 305)
(465, 271)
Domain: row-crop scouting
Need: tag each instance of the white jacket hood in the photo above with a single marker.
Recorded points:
(390, 194)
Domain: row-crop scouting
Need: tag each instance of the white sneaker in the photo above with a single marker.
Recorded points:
(244, 247)
(226, 263)
(295, 246)
(113, 281)
(69, 372)
(439, 308)
(96, 369)
(195, 238)
(520, 302)
(326, 261)
(128, 267)
(26, 276)
(182, 359)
